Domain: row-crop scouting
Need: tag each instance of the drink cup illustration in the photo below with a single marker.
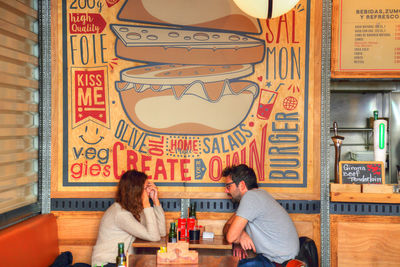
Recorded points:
(266, 103)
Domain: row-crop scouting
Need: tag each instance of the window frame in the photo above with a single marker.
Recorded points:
(45, 102)
(43, 204)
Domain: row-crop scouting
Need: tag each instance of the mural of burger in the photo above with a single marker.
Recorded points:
(197, 54)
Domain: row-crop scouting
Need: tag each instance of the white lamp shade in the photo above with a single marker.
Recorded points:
(261, 8)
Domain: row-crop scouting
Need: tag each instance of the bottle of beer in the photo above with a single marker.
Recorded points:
(172, 233)
(192, 211)
(121, 258)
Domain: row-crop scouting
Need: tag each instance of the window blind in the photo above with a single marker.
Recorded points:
(19, 89)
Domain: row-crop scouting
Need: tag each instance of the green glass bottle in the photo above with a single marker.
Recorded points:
(192, 211)
(121, 258)
(172, 233)
(375, 114)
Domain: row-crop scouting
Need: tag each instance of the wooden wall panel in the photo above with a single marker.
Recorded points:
(77, 233)
(365, 240)
(77, 230)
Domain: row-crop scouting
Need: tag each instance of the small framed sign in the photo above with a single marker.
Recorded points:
(361, 172)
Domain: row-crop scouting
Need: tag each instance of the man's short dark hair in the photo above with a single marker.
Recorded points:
(241, 173)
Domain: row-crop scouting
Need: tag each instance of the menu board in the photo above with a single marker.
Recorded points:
(361, 172)
(365, 39)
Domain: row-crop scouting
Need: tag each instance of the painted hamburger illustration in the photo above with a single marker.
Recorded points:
(193, 83)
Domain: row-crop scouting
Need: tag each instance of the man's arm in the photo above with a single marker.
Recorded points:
(236, 228)
(237, 248)
(236, 234)
(228, 224)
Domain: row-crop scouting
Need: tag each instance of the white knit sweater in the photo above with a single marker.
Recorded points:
(118, 225)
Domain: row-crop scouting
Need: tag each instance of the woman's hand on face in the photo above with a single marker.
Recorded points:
(153, 193)
(145, 199)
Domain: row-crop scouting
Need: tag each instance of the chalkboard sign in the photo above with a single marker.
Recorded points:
(361, 172)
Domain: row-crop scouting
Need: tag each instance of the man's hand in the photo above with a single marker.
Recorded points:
(238, 251)
(246, 242)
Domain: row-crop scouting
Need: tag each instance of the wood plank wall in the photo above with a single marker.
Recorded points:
(365, 241)
(77, 230)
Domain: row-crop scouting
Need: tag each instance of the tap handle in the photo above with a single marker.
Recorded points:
(335, 128)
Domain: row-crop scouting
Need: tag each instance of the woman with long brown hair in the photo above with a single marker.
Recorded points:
(130, 217)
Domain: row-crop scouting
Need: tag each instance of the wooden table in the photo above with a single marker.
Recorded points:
(204, 261)
(218, 242)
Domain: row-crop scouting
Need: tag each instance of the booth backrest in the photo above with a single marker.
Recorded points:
(32, 243)
(308, 252)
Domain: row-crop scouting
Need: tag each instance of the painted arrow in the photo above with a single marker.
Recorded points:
(199, 169)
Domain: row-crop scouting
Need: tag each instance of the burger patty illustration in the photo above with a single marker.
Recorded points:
(188, 99)
(193, 81)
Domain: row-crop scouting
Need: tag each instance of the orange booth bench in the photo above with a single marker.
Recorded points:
(33, 242)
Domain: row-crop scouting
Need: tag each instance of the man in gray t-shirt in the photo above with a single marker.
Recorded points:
(260, 223)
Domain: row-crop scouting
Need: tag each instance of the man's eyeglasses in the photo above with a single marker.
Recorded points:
(228, 185)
